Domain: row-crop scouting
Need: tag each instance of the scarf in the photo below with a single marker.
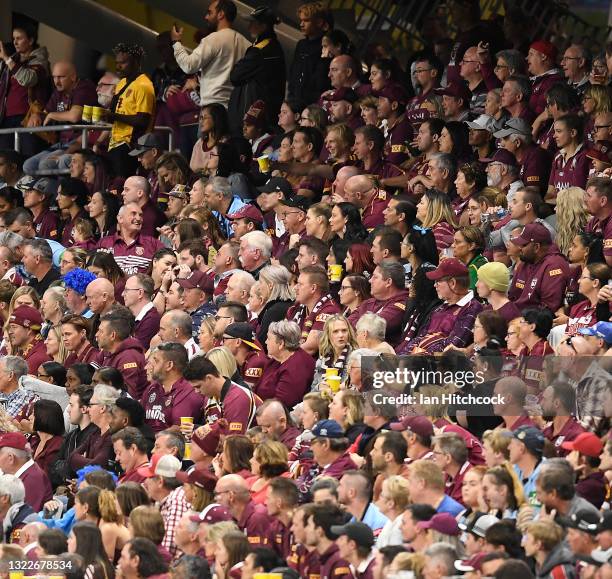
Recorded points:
(340, 363)
(301, 313)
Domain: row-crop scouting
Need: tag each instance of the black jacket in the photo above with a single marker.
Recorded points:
(60, 472)
(308, 75)
(259, 74)
(273, 311)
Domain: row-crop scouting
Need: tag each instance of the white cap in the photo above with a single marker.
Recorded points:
(168, 466)
(482, 123)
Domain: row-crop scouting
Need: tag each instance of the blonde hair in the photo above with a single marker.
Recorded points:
(410, 562)
(325, 346)
(438, 209)
(147, 522)
(216, 531)
(398, 491)
(201, 498)
(272, 456)
(353, 402)
(223, 360)
(571, 217)
(429, 472)
(433, 409)
(601, 98)
(107, 505)
(208, 323)
(547, 532)
(62, 352)
(499, 441)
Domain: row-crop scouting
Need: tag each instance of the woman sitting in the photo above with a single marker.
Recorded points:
(345, 223)
(370, 333)
(471, 179)
(434, 211)
(199, 485)
(589, 311)
(468, 247)
(347, 409)
(74, 333)
(354, 290)
(48, 428)
(317, 221)
(489, 325)
(53, 307)
(503, 492)
(337, 342)
(225, 362)
(274, 280)
(85, 540)
(231, 550)
(290, 375)
(54, 344)
(534, 328)
(235, 457)
(112, 525)
(147, 523)
(53, 373)
(270, 460)
(358, 260)
(393, 500)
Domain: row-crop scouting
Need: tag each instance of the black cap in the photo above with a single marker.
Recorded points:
(265, 15)
(145, 143)
(606, 522)
(583, 520)
(358, 532)
(277, 184)
(48, 187)
(298, 202)
(244, 332)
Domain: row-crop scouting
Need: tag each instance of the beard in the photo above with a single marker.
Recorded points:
(105, 100)
(493, 180)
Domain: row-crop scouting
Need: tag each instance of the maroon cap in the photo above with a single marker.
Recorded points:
(585, 443)
(601, 151)
(418, 425)
(535, 232)
(247, 212)
(444, 523)
(14, 440)
(393, 92)
(28, 317)
(201, 478)
(342, 94)
(474, 563)
(450, 267)
(459, 90)
(256, 115)
(197, 280)
(546, 48)
(209, 443)
(502, 156)
(213, 513)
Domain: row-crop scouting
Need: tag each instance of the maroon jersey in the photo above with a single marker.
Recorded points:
(86, 354)
(333, 566)
(535, 167)
(253, 368)
(508, 311)
(391, 310)
(531, 362)
(454, 484)
(398, 136)
(164, 409)
(237, 405)
(256, 524)
(130, 361)
(135, 257)
(37, 485)
(540, 85)
(35, 354)
(603, 228)
(305, 562)
(570, 171)
(147, 325)
(280, 245)
(383, 169)
(280, 538)
(372, 215)
(82, 93)
(315, 319)
(47, 225)
(581, 315)
(542, 283)
(133, 476)
(416, 113)
(289, 381)
(68, 229)
(152, 218)
(569, 431)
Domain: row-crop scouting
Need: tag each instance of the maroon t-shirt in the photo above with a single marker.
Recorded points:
(570, 172)
(398, 135)
(164, 409)
(146, 328)
(83, 93)
(372, 215)
(37, 487)
(254, 367)
(130, 361)
(35, 354)
(570, 430)
(603, 228)
(535, 167)
(135, 257)
(540, 86)
(152, 218)
(256, 524)
(47, 225)
(68, 230)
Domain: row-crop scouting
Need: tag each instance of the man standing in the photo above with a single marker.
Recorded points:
(138, 190)
(25, 339)
(131, 110)
(427, 73)
(576, 65)
(170, 396)
(37, 260)
(216, 54)
(137, 296)
(541, 60)
(132, 251)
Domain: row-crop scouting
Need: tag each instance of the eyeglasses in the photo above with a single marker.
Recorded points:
(219, 493)
(597, 127)
(284, 214)
(217, 318)
(345, 287)
(43, 375)
(420, 70)
(131, 289)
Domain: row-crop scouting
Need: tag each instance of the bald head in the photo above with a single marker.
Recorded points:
(234, 483)
(64, 76)
(136, 189)
(343, 175)
(30, 532)
(513, 391)
(356, 190)
(343, 71)
(100, 295)
(175, 326)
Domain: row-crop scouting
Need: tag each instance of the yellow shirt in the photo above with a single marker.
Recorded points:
(139, 97)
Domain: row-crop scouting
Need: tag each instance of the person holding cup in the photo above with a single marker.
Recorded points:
(337, 342)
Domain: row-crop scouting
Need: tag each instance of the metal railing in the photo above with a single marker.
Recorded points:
(83, 128)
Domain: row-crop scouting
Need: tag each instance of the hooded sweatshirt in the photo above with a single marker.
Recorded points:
(130, 361)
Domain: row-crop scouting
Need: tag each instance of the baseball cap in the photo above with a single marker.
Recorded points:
(197, 280)
(201, 478)
(393, 92)
(277, 184)
(601, 330)
(179, 191)
(48, 187)
(161, 465)
(264, 14)
(327, 429)
(546, 48)
(513, 126)
(213, 513)
(14, 440)
(583, 520)
(459, 90)
(601, 151)
(145, 143)
(418, 425)
(256, 115)
(357, 531)
(585, 443)
(444, 523)
(482, 123)
(25, 183)
(297, 202)
(342, 94)
(502, 156)
(27, 317)
(535, 232)
(531, 437)
(244, 332)
(474, 563)
(606, 522)
(450, 267)
(478, 526)
(495, 275)
(247, 212)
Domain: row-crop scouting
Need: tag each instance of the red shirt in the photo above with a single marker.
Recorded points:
(82, 93)
(453, 485)
(312, 321)
(333, 566)
(570, 171)
(37, 486)
(237, 405)
(35, 354)
(164, 409)
(535, 167)
(398, 135)
(133, 476)
(135, 257)
(253, 368)
(130, 361)
(86, 354)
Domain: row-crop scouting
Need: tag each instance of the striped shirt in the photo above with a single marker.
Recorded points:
(135, 257)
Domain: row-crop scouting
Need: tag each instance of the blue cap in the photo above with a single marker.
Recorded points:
(601, 330)
(327, 429)
(531, 437)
